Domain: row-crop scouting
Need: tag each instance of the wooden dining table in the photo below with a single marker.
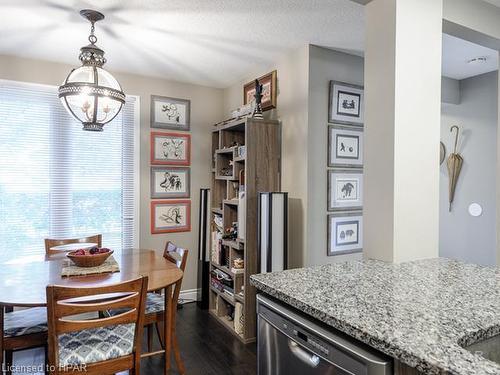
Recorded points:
(23, 284)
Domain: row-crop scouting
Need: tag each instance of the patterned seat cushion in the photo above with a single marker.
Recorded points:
(155, 303)
(96, 344)
(25, 322)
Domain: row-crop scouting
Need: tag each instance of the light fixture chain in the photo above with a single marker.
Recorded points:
(92, 37)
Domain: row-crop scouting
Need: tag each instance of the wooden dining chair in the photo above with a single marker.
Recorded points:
(21, 330)
(155, 303)
(98, 345)
(50, 243)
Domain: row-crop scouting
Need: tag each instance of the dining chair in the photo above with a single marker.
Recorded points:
(155, 310)
(155, 303)
(50, 243)
(96, 345)
(21, 330)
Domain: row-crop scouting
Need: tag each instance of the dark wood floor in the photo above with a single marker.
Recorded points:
(207, 348)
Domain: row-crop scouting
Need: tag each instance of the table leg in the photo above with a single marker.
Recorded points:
(167, 327)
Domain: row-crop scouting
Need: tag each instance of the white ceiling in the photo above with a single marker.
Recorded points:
(458, 52)
(209, 42)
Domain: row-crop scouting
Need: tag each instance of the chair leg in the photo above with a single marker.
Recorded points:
(150, 337)
(46, 350)
(8, 361)
(159, 332)
(177, 354)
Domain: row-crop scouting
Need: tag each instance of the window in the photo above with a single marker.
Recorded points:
(59, 181)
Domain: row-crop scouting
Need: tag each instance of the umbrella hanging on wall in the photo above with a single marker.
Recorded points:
(454, 163)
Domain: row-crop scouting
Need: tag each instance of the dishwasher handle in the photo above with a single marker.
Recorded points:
(309, 359)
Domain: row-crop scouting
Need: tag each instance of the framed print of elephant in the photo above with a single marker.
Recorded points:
(345, 146)
(170, 113)
(170, 182)
(345, 233)
(170, 148)
(345, 189)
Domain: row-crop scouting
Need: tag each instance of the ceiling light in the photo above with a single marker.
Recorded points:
(91, 94)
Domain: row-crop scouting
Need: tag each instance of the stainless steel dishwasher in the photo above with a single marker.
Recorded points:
(290, 344)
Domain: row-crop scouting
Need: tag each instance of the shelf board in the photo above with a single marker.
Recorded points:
(239, 298)
(225, 297)
(227, 270)
(226, 178)
(228, 324)
(237, 124)
(239, 158)
(227, 150)
(216, 210)
(231, 202)
(233, 244)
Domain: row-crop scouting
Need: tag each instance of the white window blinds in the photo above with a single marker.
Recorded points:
(59, 181)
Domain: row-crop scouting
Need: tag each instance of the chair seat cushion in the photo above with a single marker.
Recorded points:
(96, 344)
(25, 322)
(155, 303)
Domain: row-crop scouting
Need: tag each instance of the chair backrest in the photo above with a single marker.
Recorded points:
(182, 254)
(50, 243)
(64, 302)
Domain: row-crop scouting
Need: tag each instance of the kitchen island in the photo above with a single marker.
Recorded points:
(420, 313)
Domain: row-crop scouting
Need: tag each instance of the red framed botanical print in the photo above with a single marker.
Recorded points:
(170, 148)
(169, 216)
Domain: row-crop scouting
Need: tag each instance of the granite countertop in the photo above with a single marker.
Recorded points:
(420, 312)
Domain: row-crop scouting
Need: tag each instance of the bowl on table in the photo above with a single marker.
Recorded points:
(92, 257)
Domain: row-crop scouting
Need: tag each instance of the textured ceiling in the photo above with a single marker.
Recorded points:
(456, 56)
(494, 2)
(210, 42)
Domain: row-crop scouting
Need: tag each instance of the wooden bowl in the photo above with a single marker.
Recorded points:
(89, 260)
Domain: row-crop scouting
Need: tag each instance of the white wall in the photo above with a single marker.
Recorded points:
(462, 236)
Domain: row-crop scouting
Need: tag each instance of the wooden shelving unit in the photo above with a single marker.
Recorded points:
(261, 165)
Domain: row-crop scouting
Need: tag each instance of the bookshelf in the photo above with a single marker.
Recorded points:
(245, 161)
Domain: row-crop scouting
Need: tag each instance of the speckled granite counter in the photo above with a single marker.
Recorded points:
(420, 313)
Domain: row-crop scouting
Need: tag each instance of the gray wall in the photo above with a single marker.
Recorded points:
(324, 65)
(462, 236)
(206, 109)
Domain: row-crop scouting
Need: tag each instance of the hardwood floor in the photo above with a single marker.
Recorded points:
(206, 347)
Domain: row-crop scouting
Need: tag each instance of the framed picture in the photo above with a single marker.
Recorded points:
(170, 216)
(170, 113)
(345, 190)
(345, 147)
(346, 104)
(169, 182)
(345, 233)
(268, 82)
(170, 148)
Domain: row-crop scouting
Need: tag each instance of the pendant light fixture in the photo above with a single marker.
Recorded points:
(89, 93)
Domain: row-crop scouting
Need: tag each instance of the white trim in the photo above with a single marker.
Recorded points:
(137, 169)
(189, 295)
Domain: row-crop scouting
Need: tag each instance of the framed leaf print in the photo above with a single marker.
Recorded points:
(170, 216)
(170, 148)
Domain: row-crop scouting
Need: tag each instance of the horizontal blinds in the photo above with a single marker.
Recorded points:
(57, 180)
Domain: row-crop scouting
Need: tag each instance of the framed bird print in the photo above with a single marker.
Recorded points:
(170, 148)
(345, 189)
(170, 113)
(170, 182)
(345, 146)
(346, 105)
(170, 216)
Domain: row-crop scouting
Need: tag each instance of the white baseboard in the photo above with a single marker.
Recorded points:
(189, 295)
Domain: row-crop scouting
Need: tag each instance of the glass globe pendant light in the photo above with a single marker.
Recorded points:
(90, 94)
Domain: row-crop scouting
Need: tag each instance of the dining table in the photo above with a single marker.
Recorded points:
(23, 284)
